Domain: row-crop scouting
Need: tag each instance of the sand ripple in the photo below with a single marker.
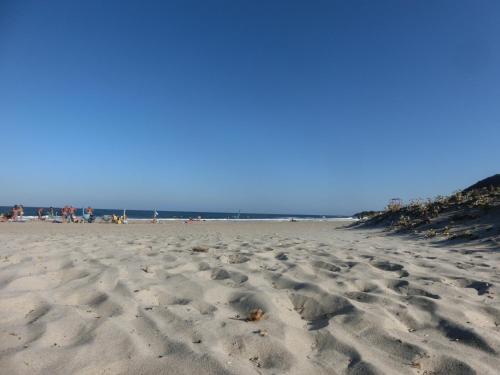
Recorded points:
(102, 299)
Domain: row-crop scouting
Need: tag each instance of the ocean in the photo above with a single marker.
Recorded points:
(182, 215)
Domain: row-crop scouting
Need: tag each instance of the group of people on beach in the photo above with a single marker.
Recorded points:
(17, 211)
(41, 213)
(68, 214)
(15, 214)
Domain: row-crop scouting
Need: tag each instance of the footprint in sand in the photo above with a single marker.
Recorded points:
(387, 266)
(222, 274)
(460, 334)
(235, 258)
(219, 274)
(325, 266)
(203, 266)
(281, 256)
(481, 286)
(320, 306)
(443, 364)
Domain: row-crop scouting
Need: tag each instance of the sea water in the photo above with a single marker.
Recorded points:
(182, 215)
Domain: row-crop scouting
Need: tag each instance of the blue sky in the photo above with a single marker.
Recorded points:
(265, 106)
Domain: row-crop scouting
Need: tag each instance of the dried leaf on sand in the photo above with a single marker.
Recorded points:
(200, 249)
(255, 315)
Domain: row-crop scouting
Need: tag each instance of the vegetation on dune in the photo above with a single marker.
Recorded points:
(466, 215)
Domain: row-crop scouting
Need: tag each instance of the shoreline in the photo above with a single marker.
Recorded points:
(144, 220)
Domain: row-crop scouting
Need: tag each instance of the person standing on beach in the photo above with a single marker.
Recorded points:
(64, 212)
(15, 212)
(90, 214)
(72, 212)
(155, 216)
(67, 214)
(40, 213)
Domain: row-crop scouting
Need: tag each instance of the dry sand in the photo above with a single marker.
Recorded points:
(173, 299)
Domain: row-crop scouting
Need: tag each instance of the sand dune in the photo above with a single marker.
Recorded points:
(175, 299)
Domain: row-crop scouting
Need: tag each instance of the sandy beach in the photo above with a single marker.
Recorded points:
(174, 298)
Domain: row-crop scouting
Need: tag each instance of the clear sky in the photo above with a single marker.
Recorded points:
(325, 107)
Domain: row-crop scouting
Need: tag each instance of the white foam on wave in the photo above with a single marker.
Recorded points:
(255, 219)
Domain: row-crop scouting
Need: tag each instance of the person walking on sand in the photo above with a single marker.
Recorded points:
(155, 216)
